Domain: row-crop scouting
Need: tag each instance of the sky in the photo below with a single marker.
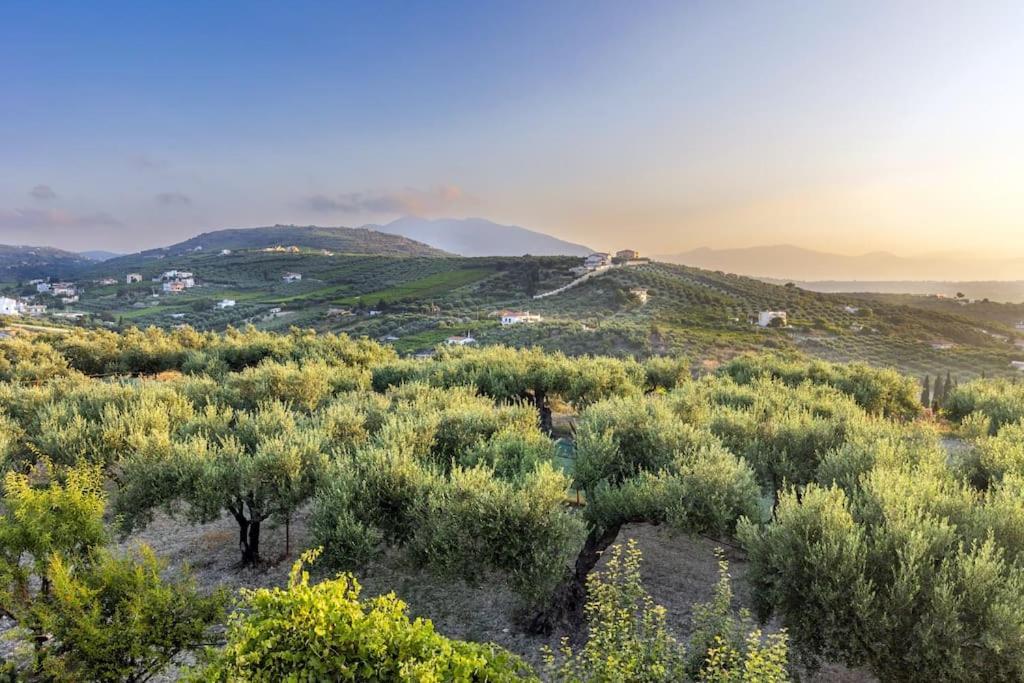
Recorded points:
(843, 126)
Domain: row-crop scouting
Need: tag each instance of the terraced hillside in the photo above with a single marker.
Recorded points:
(21, 262)
(311, 237)
(415, 302)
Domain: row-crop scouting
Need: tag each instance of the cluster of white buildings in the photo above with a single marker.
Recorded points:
(601, 259)
(175, 281)
(55, 288)
(67, 292)
(10, 306)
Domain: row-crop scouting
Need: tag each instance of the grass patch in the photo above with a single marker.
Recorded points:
(438, 283)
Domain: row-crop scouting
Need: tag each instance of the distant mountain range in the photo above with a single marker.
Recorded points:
(993, 290)
(787, 262)
(98, 255)
(480, 237)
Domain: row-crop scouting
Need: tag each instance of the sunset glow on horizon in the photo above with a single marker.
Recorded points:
(844, 127)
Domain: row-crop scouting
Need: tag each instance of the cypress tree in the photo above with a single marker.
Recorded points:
(926, 393)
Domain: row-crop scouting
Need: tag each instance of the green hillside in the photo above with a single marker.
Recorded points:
(22, 262)
(416, 302)
(310, 237)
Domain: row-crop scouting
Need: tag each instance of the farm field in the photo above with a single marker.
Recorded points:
(423, 300)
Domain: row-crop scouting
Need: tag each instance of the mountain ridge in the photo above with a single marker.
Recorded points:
(335, 239)
(481, 237)
(790, 262)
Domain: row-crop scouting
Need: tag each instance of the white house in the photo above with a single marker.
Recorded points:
(291, 277)
(516, 317)
(225, 303)
(765, 318)
(9, 306)
(461, 340)
(1020, 326)
(63, 289)
(597, 260)
(42, 286)
(1017, 364)
(174, 286)
(640, 294)
(107, 281)
(373, 312)
(69, 299)
(853, 310)
(225, 252)
(133, 277)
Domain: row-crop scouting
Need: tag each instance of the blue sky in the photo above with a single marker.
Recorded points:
(843, 126)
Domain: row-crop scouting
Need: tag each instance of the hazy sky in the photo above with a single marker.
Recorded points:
(848, 126)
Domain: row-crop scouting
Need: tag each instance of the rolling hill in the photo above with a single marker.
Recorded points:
(342, 240)
(416, 302)
(480, 237)
(24, 262)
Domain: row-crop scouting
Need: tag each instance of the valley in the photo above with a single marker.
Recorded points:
(414, 297)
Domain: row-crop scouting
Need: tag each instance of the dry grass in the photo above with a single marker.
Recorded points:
(678, 570)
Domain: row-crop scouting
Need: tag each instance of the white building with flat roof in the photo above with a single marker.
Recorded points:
(459, 340)
(766, 318)
(9, 306)
(518, 317)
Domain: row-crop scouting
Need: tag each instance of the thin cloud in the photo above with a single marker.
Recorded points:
(408, 200)
(33, 219)
(42, 193)
(173, 199)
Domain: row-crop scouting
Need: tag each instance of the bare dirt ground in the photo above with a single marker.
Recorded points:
(678, 571)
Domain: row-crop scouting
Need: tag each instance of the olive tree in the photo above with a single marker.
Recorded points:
(637, 462)
(254, 466)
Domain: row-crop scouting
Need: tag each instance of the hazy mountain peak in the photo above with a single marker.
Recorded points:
(480, 237)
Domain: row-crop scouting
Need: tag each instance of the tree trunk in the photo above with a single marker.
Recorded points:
(248, 539)
(566, 605)
(251, 548)
(540, 400)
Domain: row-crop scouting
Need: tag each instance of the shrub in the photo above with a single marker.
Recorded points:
(325, 632)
